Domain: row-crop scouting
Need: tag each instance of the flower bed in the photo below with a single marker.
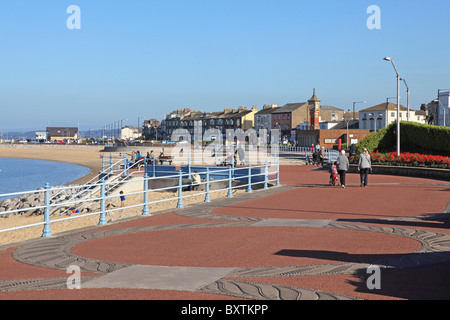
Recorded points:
(407, 159)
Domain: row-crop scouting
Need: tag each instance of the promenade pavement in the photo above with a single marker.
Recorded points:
(303, 240)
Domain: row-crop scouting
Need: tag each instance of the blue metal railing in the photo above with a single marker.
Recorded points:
(225, 179)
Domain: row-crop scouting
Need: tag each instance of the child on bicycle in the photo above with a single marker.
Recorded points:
(333, 174)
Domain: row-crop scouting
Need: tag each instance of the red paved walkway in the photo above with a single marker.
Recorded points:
(248, 246)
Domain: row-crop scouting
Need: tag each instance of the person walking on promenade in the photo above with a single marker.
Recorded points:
(364, 166)
(342, 167)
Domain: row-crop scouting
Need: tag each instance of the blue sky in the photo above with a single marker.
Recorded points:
(141, 59)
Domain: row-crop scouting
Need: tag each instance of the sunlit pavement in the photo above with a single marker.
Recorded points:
(303, 240)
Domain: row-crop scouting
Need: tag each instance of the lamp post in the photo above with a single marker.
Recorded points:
(374, 120)
(347, 120)
(387, 111)
(407, 90)
(354, 103)
(375, 116)
(398, 103)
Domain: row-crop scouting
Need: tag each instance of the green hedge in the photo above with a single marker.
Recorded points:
(414, 137)
(382, 140)
(418, 137)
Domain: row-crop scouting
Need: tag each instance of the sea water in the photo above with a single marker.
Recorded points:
(17, 175)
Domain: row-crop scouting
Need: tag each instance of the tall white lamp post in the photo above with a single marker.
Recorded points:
(407, 90)
(398, 103)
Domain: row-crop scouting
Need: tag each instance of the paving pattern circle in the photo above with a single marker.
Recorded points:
(245, 240)
(234, 246)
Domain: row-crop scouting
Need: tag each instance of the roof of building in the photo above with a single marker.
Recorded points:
(62, 131)
(314, 97)
(290, 107)
(330, 108)
(384, 106)
(420, 112)
(225, 114)
(352, 124)
(266, 111)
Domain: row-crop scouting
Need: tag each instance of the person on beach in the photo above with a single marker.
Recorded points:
(132, 161)
(122, 199)
(342, 167)
(241, 153)
(196, 180)
(151, 157)
(364, 166)
(139, 158)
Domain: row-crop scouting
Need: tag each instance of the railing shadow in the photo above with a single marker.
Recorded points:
(412, 276)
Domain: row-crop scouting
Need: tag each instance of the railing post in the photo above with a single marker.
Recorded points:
(145, 211)
(154, 168)
(278, 173)
(207, 186)
(102, 220)
(215, 154)
(180, 190)
(125, 170)
(230, 180)
(145, 165)
(103, 162)
(249, 188)
(46, 233)
(266, 174)
(189, 164)
(111, 163)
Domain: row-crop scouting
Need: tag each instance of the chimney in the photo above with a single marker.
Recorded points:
(269, 106)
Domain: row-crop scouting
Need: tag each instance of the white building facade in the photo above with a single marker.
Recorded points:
(382, 115)
(129, 133)
(263, 118)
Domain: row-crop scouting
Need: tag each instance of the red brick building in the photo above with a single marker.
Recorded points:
(328, 138)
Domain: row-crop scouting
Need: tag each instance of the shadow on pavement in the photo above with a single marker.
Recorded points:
(423, 282)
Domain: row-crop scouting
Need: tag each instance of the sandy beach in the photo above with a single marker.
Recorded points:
(88, 156)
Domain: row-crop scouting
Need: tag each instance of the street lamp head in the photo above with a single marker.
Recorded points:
(388, 59)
